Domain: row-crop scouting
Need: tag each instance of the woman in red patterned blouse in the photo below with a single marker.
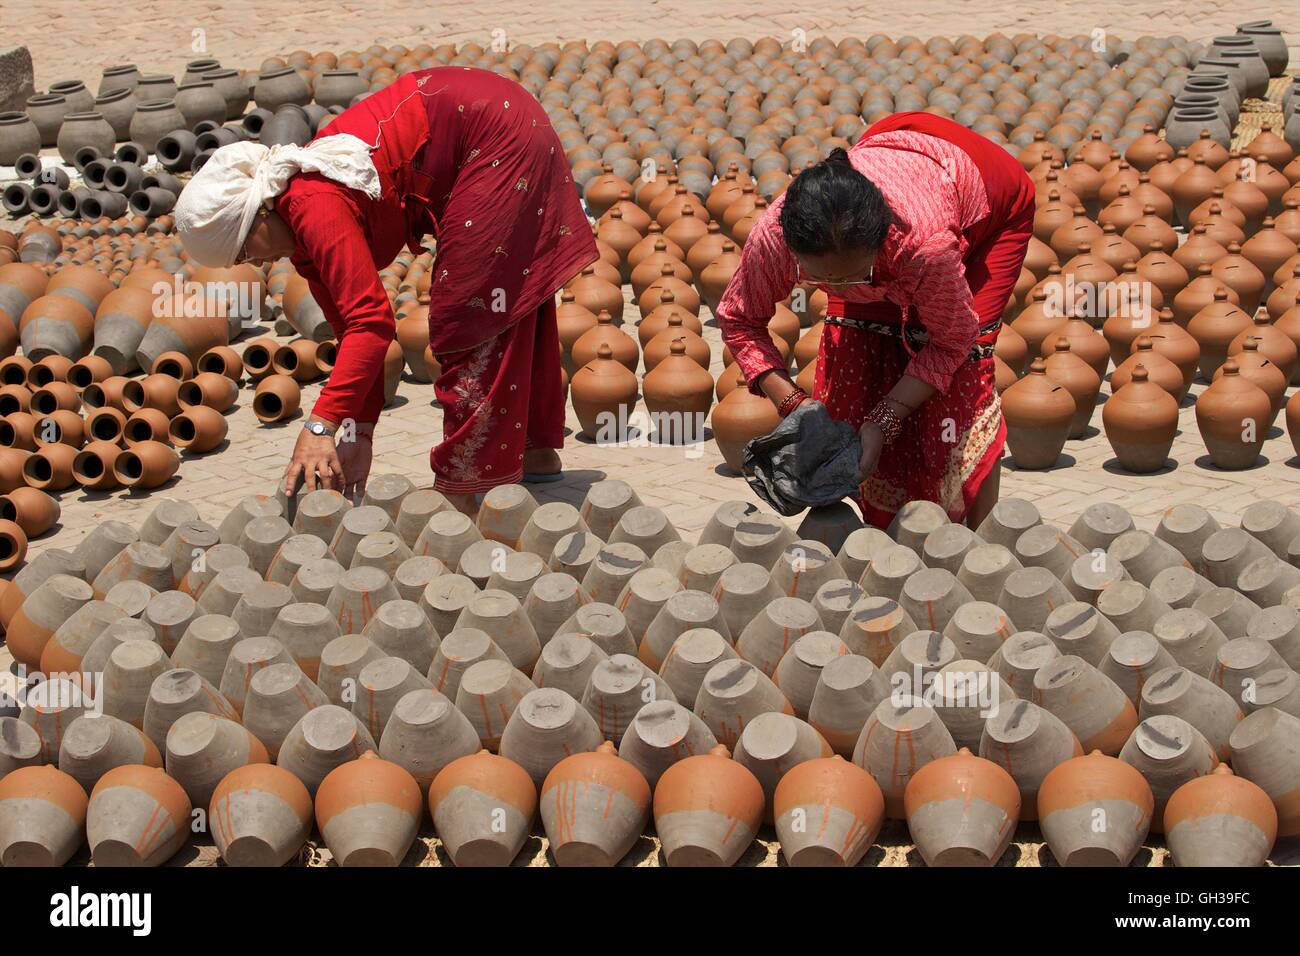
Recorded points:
(917, 236)
(471, 157)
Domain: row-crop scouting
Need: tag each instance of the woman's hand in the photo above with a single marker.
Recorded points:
(324, 461)
(873, 442)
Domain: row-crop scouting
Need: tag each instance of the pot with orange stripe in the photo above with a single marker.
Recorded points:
(962, 810)
(42, 811)
(594, 807)
(828, 812)
(1095, 811)
(368, 810)
(137, 816)
(260, 815)
(707, 810)
(1220, 820)
(482, 808)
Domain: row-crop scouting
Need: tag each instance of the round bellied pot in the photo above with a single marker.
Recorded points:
(261, 815)
(18, 136)
(740, 417)
(1083, 790)
(603, 393)
(1220, 820)
(1215, 327)
(678, 393)
(828, 812)
(1039, 413)
(1141, 420)
(1079, 379)
(82, 130)
(594, 807)
(369, 810)
(137, 816)
(42, 817)
(707, 810)
(962, 810)
(482, 807)
(1233, 416)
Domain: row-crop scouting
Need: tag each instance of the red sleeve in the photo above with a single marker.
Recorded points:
(944, 306)
(345, 284)
(765, 277)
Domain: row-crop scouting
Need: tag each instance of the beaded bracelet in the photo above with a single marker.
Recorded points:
(886, 419)
(791, 402)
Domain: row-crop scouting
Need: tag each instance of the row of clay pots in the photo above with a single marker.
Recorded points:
(733, 693)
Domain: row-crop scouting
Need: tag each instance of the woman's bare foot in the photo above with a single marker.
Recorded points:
(466, 504)
(542, 461)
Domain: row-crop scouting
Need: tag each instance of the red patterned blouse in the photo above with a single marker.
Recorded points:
(935, 192)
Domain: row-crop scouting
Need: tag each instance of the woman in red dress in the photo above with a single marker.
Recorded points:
(917, 236)
(464, 154)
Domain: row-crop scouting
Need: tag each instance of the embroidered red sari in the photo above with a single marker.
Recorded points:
(472, 157)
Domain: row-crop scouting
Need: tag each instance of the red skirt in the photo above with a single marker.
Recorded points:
(950, 445)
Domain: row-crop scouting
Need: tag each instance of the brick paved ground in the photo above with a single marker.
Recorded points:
(77, 39)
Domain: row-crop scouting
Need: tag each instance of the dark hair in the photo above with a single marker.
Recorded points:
(831, 207)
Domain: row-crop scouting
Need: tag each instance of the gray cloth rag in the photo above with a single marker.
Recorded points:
(808, 461)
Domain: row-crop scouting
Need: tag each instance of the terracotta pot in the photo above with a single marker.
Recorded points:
(1039, 414)
(56, 324)
(482, 807)
(1079, 379)
(146, 465)
(40, 614)
(1087, 701)
(1168, 752)
(1220, 820)
(740, 417)
(1243, 277)
(276, 399)
(594, 807)
(594, 294)
(368, 810)
(1075, 793)
(1140, 421)
(198, 429)
(223, 360)
(137, 816)
(42, 815)
(1215, 327)
(1037, 321)
(13, 545)
(1160, 371)
(1233, 416)
(707, 810)
(1270, 343)
(622, 346)
(679, 392)
(261, 816)
(717, 275)
(962, 810)
(1199, 250)
(31, 509)
(1260, 747)
(828, 812)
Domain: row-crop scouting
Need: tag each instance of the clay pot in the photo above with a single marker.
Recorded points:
(482, 807)
(740, 417)
(962, 810)
(198, 429)
(325, 738)
(594, 294)
(40, 614)
(31, 509)
(1233, 416)
(828, 812)
(1079, 379)
(1087, 701)
(1140, 421)
(1215, 327)
(707, 810)
(146, 465)
(1028, 742)
(368, 811)
(1039, 413)
(1160, 371)
(1220, 820)
(276, 399)
(56, 325)
(1261, 753)
(717, 275)
(622, 346)
(1037, 321)
(680, 393)
(594, 807)
(1073, 795)
(42, 815)
(137, 816)
(261, 816)
(658, 348)
(1084, 343)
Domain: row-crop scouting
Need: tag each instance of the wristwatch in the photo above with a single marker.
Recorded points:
(319, 429)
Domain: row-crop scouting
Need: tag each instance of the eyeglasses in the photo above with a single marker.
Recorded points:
(801, 277)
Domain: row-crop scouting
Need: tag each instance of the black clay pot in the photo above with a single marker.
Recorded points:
(18, 135)
(131, 152)
(176, 150)
(125, 77)
(199, 102)
(337, 87)
(288, 125)
(47, 111)
(75, 92)
(152, 203)
(155, 88)
(124, 178)
(85, 129)
(154, 120)
(276, 88)
(232, 88)
(117, 106)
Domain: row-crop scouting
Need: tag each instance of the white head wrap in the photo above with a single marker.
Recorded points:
(217, 207)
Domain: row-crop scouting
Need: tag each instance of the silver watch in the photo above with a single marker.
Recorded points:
(319, 429)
